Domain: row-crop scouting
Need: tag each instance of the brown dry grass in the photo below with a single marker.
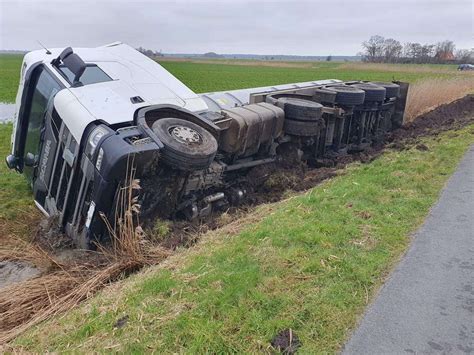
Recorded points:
(25, 304)
(20, 228)
(400, 68)
(426, 95)
(242, 62)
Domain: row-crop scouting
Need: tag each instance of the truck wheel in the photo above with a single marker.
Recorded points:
(348, 95)
(372, 92)
(302, 128)
(300, 109)
(325, 95)
(187, 146)
(391, 89)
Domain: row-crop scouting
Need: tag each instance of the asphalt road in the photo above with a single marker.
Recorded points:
(427, 304)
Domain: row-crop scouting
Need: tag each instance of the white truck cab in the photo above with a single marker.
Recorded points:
(81, 114)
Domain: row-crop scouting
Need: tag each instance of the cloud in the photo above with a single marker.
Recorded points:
(260, 27)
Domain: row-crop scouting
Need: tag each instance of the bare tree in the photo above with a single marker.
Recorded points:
(412, 51)
(427, 53)
(379, 49)
(392, 50)
(464, 56)
(373, 49)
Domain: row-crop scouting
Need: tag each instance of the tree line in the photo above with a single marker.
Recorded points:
(388, 50)
(150, 53)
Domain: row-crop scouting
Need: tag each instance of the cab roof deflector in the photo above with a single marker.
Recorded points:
(73, 62)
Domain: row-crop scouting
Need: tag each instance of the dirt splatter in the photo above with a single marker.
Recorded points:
(422, 147)
(121, 322)
(49, 237)
(286, 342)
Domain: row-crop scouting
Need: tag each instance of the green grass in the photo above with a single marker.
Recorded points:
(206, 77)
(15, 194)
(309, 263)
(10, 65)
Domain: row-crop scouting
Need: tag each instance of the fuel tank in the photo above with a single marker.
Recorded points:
(247, 128)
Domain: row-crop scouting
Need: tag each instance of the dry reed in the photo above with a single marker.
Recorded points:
(24, 305)
(400, 68)
(423, 96)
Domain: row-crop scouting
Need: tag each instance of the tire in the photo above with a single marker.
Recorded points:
(391, 89)
(187, 146)
(325, 95)
(348, 95)
(273, 99)
(372, 92)
(302, 128)
(300, 109)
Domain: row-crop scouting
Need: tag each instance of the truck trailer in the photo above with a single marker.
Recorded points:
(86, 116)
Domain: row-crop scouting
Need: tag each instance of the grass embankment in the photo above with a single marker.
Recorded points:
(18, 216)
(310, 263)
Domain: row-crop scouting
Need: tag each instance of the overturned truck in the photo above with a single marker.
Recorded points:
(85, 116)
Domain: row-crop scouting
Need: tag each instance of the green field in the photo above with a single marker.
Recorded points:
(217, 75)
(9, 76)
(206, 77)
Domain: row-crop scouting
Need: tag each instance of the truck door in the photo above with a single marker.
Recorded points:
(44, 89)
(37, 149)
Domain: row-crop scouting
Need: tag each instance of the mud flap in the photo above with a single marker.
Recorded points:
(399, 114)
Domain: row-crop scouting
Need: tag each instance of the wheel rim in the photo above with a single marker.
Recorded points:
(185, 135)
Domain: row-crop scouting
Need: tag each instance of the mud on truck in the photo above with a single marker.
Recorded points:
(82, 114)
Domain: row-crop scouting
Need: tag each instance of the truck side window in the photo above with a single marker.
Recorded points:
(44, 90)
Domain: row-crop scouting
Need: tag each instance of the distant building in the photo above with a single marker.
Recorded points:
(445, 57)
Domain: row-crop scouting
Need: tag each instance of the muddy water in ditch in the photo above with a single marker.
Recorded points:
(6, 112)
(16, 271)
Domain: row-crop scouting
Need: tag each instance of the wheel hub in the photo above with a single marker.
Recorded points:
(185, 135)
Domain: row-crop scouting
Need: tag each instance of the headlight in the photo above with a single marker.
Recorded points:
(94, 139)
(100, 157)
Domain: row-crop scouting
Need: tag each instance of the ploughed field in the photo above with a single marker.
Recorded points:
(298, 270)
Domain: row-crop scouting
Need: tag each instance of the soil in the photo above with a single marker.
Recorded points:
(286, 342)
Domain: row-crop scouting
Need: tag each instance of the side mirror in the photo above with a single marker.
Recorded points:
(11, 161)
(30, 160)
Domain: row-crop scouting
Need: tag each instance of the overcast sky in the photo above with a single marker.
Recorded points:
(259, 27)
